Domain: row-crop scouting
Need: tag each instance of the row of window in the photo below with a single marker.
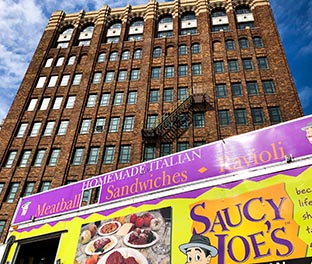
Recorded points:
(251, 86)
(257, 114)
(243, 43)
(247, 63)
(168, 72)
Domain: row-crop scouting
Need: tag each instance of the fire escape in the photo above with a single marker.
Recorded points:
(177, 122)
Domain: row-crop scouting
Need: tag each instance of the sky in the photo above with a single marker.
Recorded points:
(22, 23)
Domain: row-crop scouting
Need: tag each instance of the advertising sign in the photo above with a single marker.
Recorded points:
(231, 155)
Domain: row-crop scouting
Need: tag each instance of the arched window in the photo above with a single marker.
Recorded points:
(101, 57)
(244, 17)
(182, 49)
(188, 23)
(165, 26)
(157, 52)
(136, 30)
(257, 41)
(113, 32)
(64, 38)
(195, 49)
(243, 43)
(86, 36)
(219, 20)
(125, 55)
(137, 55)
(113, 56)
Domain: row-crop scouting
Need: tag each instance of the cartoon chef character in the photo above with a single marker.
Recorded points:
(25, 207)
(308, 130)
(198, 250)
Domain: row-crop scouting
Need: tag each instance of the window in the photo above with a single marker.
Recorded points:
(118, 98)
(229, 44)
(195, 48)
(93, 155)
(252, 88)
(182, 146)
(71, 60)
(257, 116)
(240, 116)
(247, 64)
(115, 29)
(183, 120)
(199, 143)
(29, 189)
(99, 125)
(122, 76)
(25, 158)
(263, 63)
(55, 153)
(39, 157)
(182, 70)
(168, 95)
(65, 79)
(77, 79)
(169, 71)
(35, 129)
(258, 43)
(48, 62)
(63, 127)
(199, 119)
(109, 76)
(182, 50)
(218, 66)
(224, 117)
(114, 124)
(217, 28)
(32, 104)
(233, 65)
(152, 121)
(101, 57)
(45, 185)
(78, 156)
(128, 123)
(165, 26)
(1, 187)
(243, 43)
(85, 126)
(57, 102)
(49, 128)
(45, 103)
(109, 154)
(125, 55)
(196, 69)
(157, 52)
(124, 154)
(165, 149)
(10, 159)
(105, 99)
(22, 130)
(275, 115)
(136, 30)
(113, 56)
(236, 89)
(135, 75)
(91, 100)
(41, 82)
(188, 24)
(268, 87)
(12, 192)
(132, 95)
(155, 73)
(97, 77)
(53, 80)
(149, 152)
(154, 96)
(70, 101)
(182, 93)
(221, 90)
(137, 54)
(60, 61)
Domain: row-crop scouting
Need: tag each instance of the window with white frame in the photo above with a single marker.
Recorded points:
(10, 159)
(39, 157)
(118, 98)
(32, 104)
(149, 152)
(21, 130)
(70, 101)
(71, 60)
(169, 71)
(152, 121)
(59, 61)
(53, 80)
(195, 48)
(77, 79)
(221, 90)
(124, 154)
(91, 100)
(97, 77)
(168, 95)
(29, 189)
(157, 52)
(99, 125)
(105, 99)
(137, 55)
(78, 156)
(182, 93)
(49, 128)
(35, 129)
(48, 62)
(114, 124)
(128, 123)
(182, 50)
(93, 155)
(109, 77)
(135, 75)
(41, 82)
(155, 74)
(218, 66)
(57, 102)
(63, 128)
(122, 75)
(11, 195)
(65, 80)
(45, 186)
(101, 57)
(182, 70)
(199, 119)
(196, 69)
(132, 97)
(109, 154)
(45, 103)
(85, 126)
(154, 96)
(55, 154)
(25, 157)
(125, 55)
(113, 56)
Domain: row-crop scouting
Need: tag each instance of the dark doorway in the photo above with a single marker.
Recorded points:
(38, 251)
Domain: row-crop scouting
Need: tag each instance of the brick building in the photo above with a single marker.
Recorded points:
(114, 87)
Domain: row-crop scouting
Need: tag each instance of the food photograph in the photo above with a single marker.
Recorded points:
(138, 238)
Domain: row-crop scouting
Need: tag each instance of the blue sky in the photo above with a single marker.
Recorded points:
(22, 23)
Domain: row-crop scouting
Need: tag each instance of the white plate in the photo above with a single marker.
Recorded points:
(113, 232)
(126, 241)
(126, 252)
(90, 249)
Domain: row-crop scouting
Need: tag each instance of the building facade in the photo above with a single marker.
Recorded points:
(115, 87)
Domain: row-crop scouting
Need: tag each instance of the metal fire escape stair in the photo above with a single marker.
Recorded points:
(176, 123)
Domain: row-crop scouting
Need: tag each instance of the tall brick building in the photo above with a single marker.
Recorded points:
(114, 87)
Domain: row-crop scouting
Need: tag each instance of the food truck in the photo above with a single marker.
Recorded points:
(243, 199)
